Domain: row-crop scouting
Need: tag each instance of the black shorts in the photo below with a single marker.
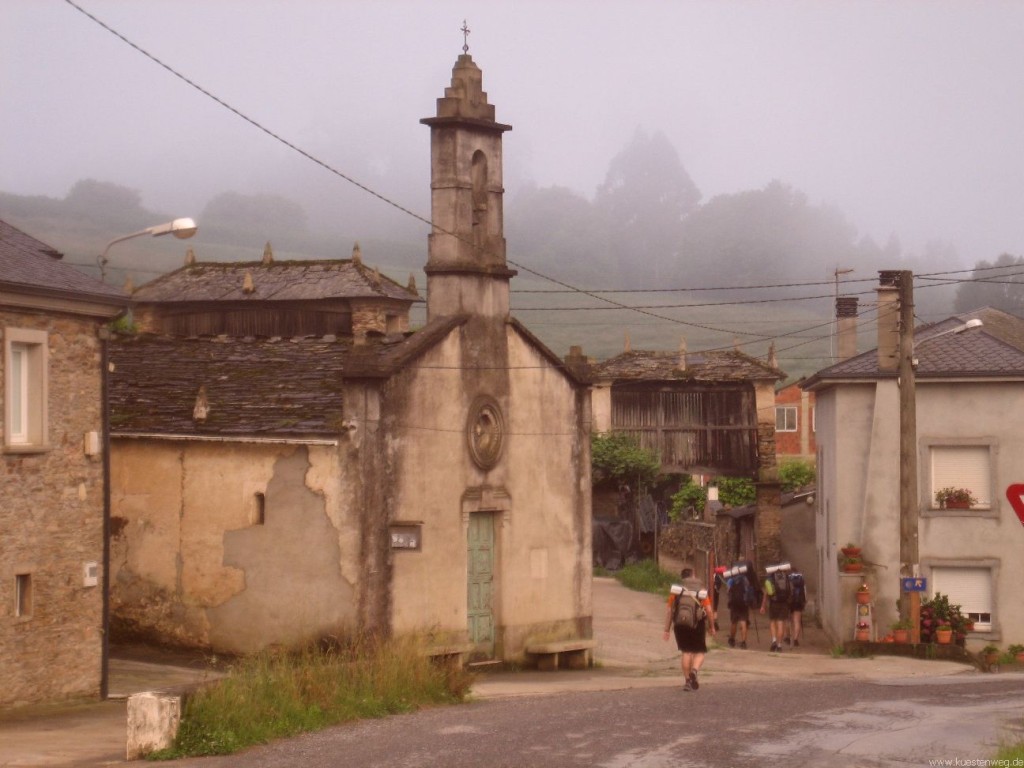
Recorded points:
(739, 613)
(778, 611)
(692, 640)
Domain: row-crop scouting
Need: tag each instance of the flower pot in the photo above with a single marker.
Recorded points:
(853, 567)
(943, 636)
(862, 635)
(901, 635)
(1020, 657)
(863, 598)
(958, 505)
(991, 658)
(850, 551)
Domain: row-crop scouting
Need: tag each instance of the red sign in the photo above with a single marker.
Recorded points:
(1015, 495)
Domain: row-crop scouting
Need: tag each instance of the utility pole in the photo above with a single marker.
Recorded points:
(909, 501)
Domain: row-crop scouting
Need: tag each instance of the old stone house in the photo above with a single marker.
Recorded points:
(289, 476)
(704, 413)
(969, 393)
(51, 473)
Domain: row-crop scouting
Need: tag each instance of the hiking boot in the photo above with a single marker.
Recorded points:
(796, 643)
(693, 681)
(687, 686)
(732, 642)
(775, 647)
(743, 645)
(785, 640)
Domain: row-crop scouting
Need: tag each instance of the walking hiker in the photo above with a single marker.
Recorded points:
(687, 616)
(797, 603)
(742, 596)
(777, 593)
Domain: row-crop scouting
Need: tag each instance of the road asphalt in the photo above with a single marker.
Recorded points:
(631, 653)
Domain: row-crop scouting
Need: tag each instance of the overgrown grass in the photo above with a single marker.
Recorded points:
(1012, 754)
(271, 696)
(645, 576)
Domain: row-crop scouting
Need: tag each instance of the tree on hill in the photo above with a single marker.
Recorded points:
(644, 200)
(999, 285)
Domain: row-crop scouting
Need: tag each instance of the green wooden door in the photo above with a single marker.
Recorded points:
(481, 584)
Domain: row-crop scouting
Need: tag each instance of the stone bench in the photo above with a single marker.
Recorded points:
(452, 653)
(577, 653)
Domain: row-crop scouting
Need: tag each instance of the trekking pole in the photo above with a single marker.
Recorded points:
(756, 633)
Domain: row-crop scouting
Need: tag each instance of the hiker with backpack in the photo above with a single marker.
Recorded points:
(797, 603)
(742, 596)
(777, 594)
(687, 616)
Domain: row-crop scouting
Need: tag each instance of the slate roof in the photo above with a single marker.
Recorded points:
(254, 386)
(710, 366)
(276, 281)
(994, 350)
(31, 266)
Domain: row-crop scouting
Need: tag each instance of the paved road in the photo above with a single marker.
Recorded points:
(840, 724)
(629, 711)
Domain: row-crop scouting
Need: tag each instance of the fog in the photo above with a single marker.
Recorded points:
(906, 116)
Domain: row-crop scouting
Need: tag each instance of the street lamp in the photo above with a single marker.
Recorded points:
(972, 323)
(180, 228)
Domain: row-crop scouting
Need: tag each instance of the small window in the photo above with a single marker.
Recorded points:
(25, 382)
(971, 589)
(23, 594)
(259, 513)
(785, 418)
(961, 466)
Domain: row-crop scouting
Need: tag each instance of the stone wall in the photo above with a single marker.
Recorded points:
(51, 525)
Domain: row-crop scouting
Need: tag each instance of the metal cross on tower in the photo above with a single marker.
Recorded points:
(465, 37)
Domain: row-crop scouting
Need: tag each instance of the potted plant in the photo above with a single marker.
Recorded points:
(863, 594)
(1017, 652)
(863, 632)
(990, 655)
(901, 631)
(850, 550)
(944, 632)
(954, 498)
(939, 610)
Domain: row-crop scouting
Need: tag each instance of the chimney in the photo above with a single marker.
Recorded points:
(190, 257)
(888, 320)
(681, 365)
(627, 347)
(357, 254)
(846, 321)
(268, 254)
(773, 359)
(576, 361)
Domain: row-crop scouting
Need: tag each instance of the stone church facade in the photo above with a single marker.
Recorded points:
(269, 490)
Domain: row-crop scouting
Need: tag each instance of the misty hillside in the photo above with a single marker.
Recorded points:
(737, 269)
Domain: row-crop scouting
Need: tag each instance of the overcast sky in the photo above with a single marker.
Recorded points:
(908, 116)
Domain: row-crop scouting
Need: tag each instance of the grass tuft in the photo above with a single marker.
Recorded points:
(277, 695)
(645, 576)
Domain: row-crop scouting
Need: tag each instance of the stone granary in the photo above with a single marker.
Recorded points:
(52, 463)
(704, 413)
(282, 476)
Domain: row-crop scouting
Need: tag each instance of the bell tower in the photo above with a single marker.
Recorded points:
(466, 268)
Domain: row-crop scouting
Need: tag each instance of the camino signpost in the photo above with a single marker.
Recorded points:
(914, 586)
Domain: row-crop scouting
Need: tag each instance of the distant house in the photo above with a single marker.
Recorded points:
(290, 461)
(51, 478)
(703, 413)
(969, 395)
(794, 423)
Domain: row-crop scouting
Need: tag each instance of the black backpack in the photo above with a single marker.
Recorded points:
(687, 612)
(739, 592)
(799, 597)
(782, 588)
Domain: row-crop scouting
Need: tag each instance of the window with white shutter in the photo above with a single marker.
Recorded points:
(970, 588)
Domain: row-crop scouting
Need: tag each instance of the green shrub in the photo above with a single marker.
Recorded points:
(736, 491)
(796, 474)
(615, 456)
(689, 495)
